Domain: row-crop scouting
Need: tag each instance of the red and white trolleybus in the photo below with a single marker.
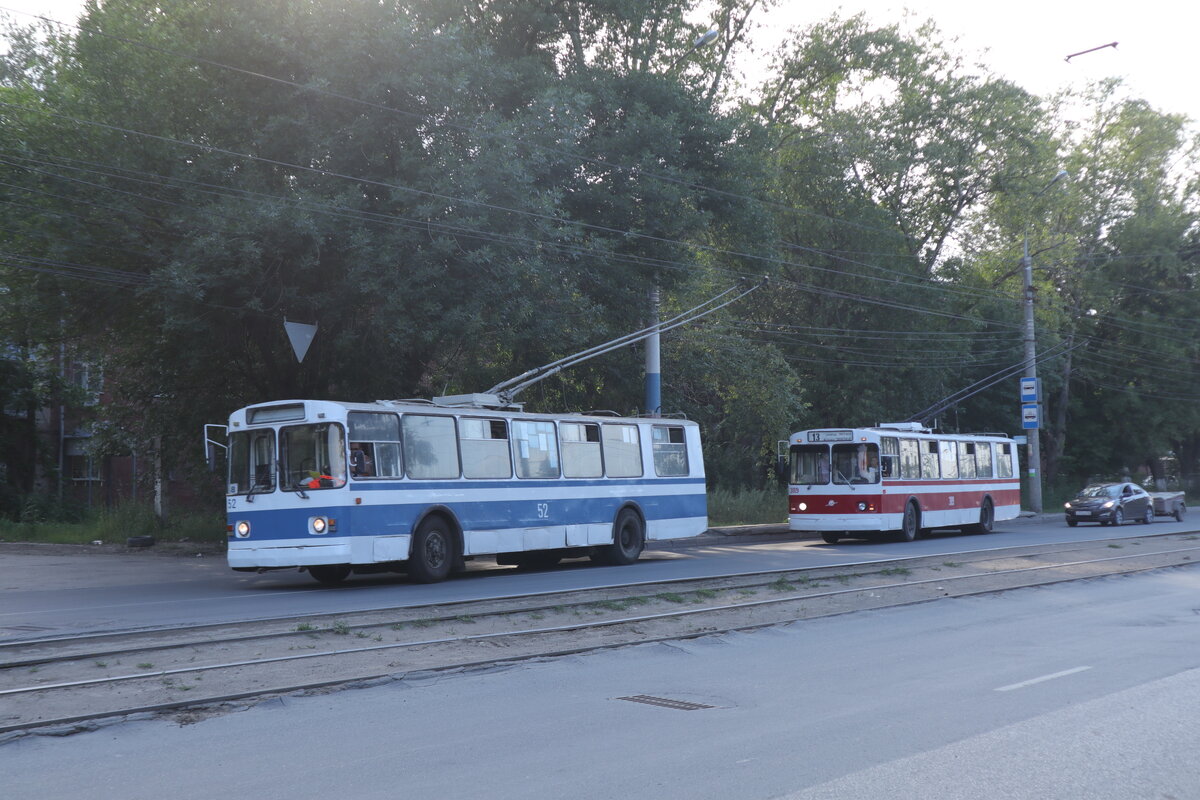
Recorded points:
(899, 477)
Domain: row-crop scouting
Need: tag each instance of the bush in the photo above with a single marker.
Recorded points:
(747, 506)
(38, 523)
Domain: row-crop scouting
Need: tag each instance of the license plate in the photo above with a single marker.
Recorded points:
(1083, 513)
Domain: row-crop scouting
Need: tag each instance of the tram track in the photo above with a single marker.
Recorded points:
(62, 685)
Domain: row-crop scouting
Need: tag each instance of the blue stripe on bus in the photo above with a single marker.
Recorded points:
(398, 518)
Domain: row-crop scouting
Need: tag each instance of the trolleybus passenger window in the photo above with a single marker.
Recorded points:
(374, 445)
(910, 459)
(889, 457)
(983, 459)
(580, 450)
(430, 446)
(485, 451)
(1004, 464)
(949, 460)
(314, 456)
(929, 461)
(536, 448)
(622, 451)
(966, 459)
(670, 451)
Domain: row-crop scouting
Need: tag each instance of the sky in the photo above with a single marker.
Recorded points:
(1025, 41)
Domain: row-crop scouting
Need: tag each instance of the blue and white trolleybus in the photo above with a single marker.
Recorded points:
(337, 488)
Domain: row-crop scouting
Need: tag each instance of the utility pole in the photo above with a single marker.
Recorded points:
(1035, 433)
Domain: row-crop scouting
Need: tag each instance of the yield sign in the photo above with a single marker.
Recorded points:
(300, 334)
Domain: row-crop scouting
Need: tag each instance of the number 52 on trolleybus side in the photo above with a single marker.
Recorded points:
(334, 488)
(899, 477)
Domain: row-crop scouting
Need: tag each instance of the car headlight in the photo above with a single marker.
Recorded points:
(1067, 506)
(1109, 504)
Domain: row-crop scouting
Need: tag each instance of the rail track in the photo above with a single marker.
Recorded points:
(67, 684)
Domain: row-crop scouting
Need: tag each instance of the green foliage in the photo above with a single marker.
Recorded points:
(457, 192)
(45, 520)
(747, 506)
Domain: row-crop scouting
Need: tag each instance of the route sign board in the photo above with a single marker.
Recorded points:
(1029, 416)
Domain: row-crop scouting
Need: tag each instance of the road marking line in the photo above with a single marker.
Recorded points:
(1032, 681)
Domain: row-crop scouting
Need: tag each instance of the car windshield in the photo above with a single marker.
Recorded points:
(1100, 491)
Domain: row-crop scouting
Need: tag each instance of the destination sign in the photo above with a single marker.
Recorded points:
(831, 436)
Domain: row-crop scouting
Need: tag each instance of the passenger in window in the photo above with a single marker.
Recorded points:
(361, 465)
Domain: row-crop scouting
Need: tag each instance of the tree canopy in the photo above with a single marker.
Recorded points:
(454, 192)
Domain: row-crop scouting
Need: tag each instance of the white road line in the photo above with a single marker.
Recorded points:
(1032, 681)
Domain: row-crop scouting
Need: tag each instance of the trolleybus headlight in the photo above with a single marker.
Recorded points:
(318, 524)
(862, 506)
(242, 529)
(803, 506)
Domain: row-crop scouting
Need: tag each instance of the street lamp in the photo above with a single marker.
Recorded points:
(1035, 442)
(653, 384)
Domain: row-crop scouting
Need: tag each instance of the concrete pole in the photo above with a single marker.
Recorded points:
(1035, 434)
(653, 367)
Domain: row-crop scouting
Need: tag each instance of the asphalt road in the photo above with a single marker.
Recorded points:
(1078, 690)
(46, 595)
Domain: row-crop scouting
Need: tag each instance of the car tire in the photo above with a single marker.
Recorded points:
(1072, 523)
(1180, 510)
(1148, 517)
(1118, 518)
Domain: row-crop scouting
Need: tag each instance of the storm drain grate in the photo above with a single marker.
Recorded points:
(664, 702)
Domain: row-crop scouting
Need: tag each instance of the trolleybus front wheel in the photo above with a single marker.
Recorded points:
(629, 539)
(433, 551)
(831, 537)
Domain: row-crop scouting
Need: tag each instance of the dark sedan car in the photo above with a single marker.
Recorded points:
(1111, 504)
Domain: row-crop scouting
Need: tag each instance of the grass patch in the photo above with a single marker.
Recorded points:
(114, 526)
(671, 597)
(341, 628)
(781, 585)
(895, 571)
(748, 506)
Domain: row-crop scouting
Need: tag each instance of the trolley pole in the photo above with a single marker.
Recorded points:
(1035, 435)
(653, 361)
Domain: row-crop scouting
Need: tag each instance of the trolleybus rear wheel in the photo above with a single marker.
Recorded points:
(912, 527)
(831, 537)
(433, 551)
(987, 517)
(330, 574)
(629, 539)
